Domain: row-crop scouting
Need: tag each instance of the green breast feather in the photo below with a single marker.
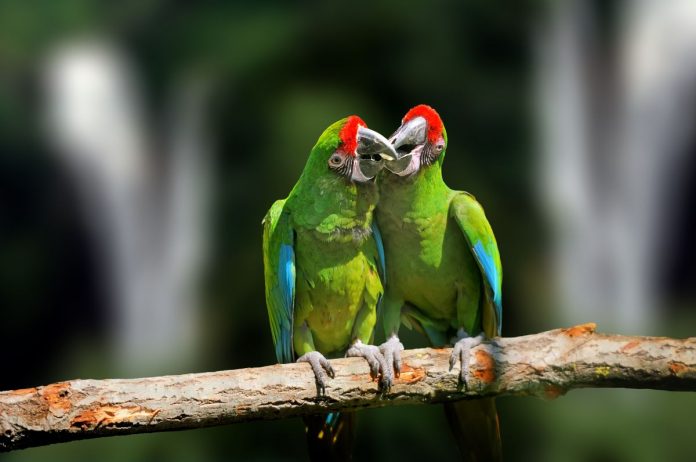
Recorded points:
(321, 260)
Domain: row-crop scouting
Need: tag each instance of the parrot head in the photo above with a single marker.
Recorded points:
(354, 151)
(419, 142)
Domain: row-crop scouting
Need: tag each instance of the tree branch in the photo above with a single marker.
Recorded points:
(546, 365)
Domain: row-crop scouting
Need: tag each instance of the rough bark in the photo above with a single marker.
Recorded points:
(545, 365)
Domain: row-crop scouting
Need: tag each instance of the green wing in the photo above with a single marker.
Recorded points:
(279, 271)
(469, 215)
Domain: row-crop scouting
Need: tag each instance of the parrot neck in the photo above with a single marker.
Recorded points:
(399, 195)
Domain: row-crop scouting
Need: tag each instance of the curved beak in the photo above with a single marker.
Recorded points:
(405, 140)
(373, 149)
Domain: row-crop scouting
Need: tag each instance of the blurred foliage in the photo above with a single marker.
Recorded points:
(280, 73)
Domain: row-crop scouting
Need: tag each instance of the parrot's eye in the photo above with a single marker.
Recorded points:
(439, 147)
(335, 160)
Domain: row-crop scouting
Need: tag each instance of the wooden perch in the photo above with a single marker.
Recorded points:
(546, 365)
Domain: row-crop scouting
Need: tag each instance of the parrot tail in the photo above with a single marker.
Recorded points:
(330, 436)
(475, 426)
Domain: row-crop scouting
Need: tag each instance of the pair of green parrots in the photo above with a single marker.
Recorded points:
(371, 229)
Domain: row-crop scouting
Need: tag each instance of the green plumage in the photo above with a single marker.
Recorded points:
(429, 233)
(444, 274)
(322, 268)
(327, 219)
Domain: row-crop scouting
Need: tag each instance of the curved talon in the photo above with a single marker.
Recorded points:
(358, 349)
(453, 356)
(391, 350)
(461, 352)
(319, 364)
(378, 365)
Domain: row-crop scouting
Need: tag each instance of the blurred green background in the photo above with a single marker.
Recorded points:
(277, 73)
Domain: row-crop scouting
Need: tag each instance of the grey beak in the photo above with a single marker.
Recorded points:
(410, 134)
(405, 139)
(373, 149)
(372, 144)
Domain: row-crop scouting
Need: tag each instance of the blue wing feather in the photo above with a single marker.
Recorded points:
(286, 278)
(381, 264)
(279, 271)
(472, 221)
(492, 275)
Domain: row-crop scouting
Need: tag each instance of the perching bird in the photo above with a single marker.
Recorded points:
(324, 268)
(444, 274)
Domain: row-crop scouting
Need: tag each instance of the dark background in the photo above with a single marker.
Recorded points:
(279, 73)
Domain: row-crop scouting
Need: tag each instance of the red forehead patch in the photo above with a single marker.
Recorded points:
(349, 134)
(431, 117)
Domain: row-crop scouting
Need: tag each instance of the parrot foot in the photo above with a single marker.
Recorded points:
(376, 361)
(461, 352)
(391, 350)
(319, 364)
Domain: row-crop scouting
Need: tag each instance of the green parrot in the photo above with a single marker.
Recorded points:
(444, 275)
(324, 268)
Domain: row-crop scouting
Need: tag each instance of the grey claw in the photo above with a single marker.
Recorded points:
(319, 364)
(359, 349)
(376, 361)
(391, 350)
(461, 352)
(327, 366)
(454, 356)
